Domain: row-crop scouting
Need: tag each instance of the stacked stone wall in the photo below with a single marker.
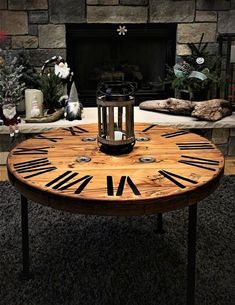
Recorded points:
(38, 26)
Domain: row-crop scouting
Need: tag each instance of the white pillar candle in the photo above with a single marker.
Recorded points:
(30, 96)
(118, 135)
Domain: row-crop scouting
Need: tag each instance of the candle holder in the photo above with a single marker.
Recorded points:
(115, 102)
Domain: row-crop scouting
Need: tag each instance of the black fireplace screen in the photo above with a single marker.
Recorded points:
(111, 52)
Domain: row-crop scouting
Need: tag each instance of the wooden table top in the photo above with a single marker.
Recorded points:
(179, 169)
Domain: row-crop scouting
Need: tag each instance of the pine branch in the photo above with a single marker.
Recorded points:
(199, 47)
(11, 86)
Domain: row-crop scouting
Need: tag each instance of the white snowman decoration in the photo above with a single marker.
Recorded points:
(35, 110)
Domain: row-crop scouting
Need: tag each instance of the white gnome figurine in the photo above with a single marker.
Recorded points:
(73, 108)
(35, 110)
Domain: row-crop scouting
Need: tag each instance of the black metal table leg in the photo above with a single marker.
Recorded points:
(25, 274)
(192, 229)
(159, 229)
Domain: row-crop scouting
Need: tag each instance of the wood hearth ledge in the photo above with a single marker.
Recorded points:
(142, 116)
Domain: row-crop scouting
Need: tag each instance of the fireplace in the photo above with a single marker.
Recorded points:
(99, 52)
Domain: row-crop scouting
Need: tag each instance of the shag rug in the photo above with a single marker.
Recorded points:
(86, 260)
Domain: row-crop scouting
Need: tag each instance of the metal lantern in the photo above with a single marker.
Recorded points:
(115, 102)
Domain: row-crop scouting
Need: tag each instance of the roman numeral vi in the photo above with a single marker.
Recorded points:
(123, 180)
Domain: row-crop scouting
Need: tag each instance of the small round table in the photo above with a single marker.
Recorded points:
(168, 169)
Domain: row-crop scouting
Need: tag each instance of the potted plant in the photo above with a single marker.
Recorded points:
(196, 74)
(52, 88)
(30, 76)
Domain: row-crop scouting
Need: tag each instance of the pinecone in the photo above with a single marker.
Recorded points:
(186, 68)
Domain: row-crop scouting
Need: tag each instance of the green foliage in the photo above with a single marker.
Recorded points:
(201, 60)
(29, 74)
(52, 88)
(11, 85)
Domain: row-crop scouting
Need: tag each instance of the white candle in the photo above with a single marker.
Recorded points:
(118, 135)
(30, 95)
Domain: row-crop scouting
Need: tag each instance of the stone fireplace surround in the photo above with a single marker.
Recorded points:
(39, 25)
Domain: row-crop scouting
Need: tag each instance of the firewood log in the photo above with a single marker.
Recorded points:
(210, 110)
(171, 105)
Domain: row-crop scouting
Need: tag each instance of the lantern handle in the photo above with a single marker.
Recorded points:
(105, 88)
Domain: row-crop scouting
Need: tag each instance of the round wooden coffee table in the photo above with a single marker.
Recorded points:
(168, 169)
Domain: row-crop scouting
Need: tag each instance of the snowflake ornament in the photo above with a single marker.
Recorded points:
(122, 30)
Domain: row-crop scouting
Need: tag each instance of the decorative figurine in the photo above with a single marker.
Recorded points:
(61, 67)
(10, 118)
(73, 108)
(11, 92)
(62, 70)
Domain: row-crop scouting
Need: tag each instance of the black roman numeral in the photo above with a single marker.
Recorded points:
(199, 162)
(171, 176)
(149, 127)
(174, 134)
(31, 151)
(194, 145)
(61, 182)
(75, 130)
(52, 139)
(123, 180)
(81, 129)
(36, 167)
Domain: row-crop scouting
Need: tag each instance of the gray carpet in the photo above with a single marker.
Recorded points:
(116, 261)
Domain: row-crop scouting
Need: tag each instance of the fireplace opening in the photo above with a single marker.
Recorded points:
(111, 52)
